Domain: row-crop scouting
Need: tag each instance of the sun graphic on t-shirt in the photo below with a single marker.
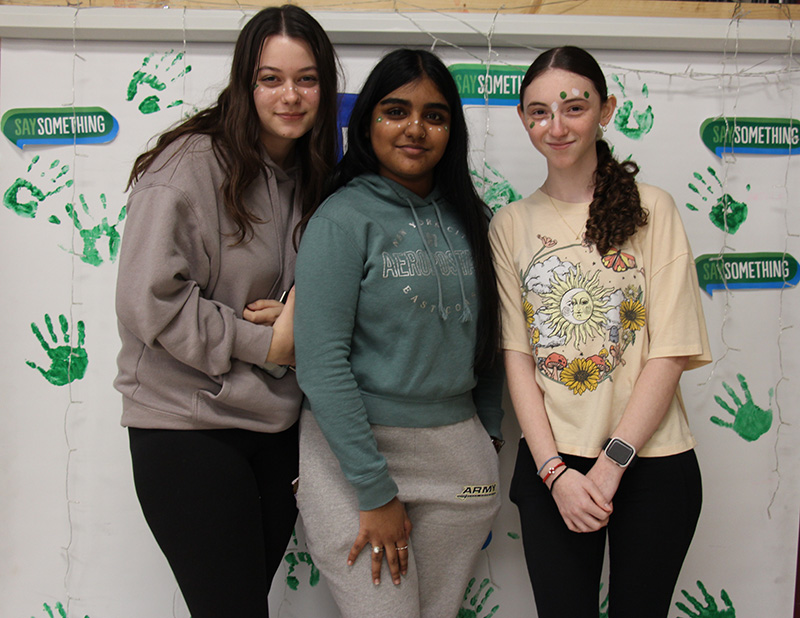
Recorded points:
(576, 306)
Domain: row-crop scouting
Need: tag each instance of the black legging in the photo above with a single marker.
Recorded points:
(221, 507)
(656, 509)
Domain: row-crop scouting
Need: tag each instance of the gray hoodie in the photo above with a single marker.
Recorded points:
(188, 359)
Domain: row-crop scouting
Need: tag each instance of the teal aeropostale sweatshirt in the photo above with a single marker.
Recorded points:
(385, 324)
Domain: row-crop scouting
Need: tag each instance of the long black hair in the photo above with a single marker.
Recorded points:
(233, 124)
(616, 210)
(396, 69)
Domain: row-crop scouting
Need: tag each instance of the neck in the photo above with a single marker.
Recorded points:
(281, 152)
(573, 184)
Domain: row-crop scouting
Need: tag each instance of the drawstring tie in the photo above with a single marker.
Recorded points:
(466, 313)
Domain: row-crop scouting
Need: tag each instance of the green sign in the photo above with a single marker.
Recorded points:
(59, 125)
(746, 271)
(494, 85)
(768, 136)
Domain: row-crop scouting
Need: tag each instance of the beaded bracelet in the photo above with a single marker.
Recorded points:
(551, 470)
(558, 477)
(539, 471)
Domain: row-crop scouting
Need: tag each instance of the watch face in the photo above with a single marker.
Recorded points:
(619, 452)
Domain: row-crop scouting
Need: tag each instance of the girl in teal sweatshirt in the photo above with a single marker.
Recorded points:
(395, 333)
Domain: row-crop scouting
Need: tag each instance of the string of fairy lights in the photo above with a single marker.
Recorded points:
(729, 78)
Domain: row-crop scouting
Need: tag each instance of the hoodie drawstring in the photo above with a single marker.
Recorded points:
(417, 224)
(466, 313)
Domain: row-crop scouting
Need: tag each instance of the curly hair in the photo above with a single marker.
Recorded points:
(233, 124)
(616, 210)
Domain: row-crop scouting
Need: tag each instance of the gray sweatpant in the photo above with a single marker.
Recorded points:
(448, 480)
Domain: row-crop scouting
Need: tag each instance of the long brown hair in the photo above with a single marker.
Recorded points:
(616, 210)
(233, 125)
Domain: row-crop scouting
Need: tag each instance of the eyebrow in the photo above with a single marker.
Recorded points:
(572, 100)
(397, 101)
(311, 67)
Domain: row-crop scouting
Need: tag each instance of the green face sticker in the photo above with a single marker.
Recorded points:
(586, 95)
(379, 119)
(563, 95)
(532, 124)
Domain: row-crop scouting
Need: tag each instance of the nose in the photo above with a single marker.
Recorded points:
(290, 93)
(415, 128)
(557, 125)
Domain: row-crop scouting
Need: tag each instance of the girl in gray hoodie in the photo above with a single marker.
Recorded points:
(207, 259)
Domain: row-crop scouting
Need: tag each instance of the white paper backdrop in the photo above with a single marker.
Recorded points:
(72, 533)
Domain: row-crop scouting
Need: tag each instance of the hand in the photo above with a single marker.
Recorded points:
(387, 527)
(606, 475)
(581, 504)
(264, 311)
(281, 350)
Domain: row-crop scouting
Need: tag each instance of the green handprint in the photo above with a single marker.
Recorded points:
(710, 610)
(59, 608)
(727, 214)
(497, 191)
(67, 364)
(12, 198)
(144, 76)
(603, 604)
(750, 421)
(293, 558)
(469, 612)
(91, 254)
(644, 120)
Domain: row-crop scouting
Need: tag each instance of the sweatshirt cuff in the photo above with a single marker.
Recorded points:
(251, 342)
(377, 492)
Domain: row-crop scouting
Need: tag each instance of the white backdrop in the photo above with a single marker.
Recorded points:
(73, 540)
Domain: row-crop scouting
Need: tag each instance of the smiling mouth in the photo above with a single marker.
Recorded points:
(413, 149)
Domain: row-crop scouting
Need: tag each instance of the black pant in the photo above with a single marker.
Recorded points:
(221, 507)
(656, 509)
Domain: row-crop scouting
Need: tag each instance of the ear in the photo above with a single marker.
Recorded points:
(521, 115)
(607, 110)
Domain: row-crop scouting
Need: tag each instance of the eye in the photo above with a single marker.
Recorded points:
(268, 79)
(308, 80)
(575, 109)
(395, 112)
(538, 113)
(435, 117)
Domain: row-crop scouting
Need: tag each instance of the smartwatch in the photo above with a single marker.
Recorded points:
(619, 451)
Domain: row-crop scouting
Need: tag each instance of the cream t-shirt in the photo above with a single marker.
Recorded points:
(591, 321)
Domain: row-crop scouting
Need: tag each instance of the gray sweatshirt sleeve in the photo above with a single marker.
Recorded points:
(328, 279)
(165, 264)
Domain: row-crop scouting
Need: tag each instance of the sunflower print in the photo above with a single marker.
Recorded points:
(581, 375)
(632, 315)
(527, 308)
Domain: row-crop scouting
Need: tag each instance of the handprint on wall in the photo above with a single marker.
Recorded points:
(294, 558)
(476, 602)
(632, 123)
(99, 234)
(727, 213)
(710, 609)
(25, 195)
(61, 612)
(749, 420)
(67, 363)
(156, 75)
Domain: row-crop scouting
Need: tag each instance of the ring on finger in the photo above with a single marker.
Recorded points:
(403, 548)
(377, 549)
